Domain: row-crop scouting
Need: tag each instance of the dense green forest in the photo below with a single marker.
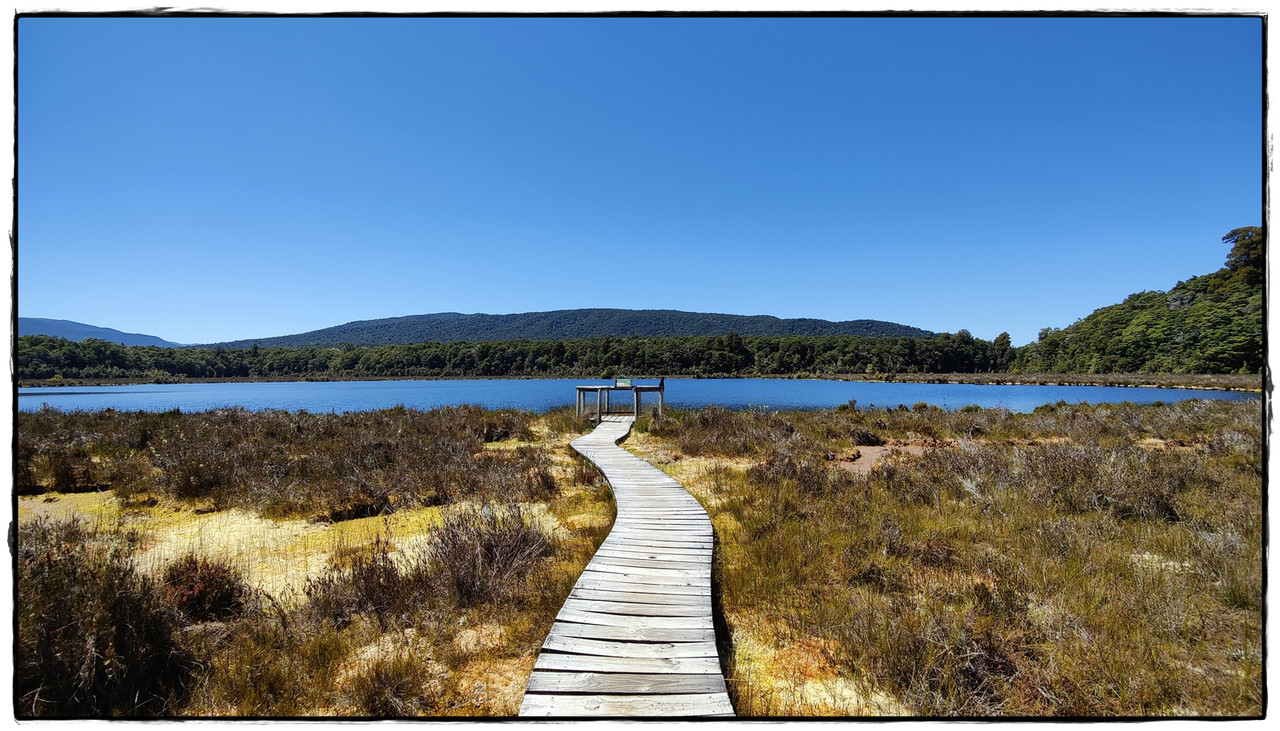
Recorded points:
(449, 327)
(43, 357)
(1207, 324)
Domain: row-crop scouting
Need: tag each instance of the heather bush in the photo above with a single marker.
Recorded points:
(204, 589)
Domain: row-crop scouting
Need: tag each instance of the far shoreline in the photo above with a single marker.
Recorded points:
(1248, 383)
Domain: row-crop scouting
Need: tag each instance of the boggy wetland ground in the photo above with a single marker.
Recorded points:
(1078, 560)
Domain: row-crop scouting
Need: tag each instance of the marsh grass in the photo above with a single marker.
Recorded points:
(436, 611)
(332, 467)
(1075, 561)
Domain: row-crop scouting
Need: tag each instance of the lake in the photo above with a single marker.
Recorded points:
(543, 394)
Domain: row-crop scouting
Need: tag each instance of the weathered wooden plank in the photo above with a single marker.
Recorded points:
(638, 546)
(597, 664)
(639, 609)
(613, 595)
(664, 532)
(569, 614)
(649, 540)
(573, 706)
(653, 499)
(608, 582)
(695, 582)
(687, 555)
(604, 566)
(669, 513)
(542, 681)
(654, 563)
(660, 539)
(608, 648)
(665, 535)
(667, 518)
(649, 567)
(670, 516)
(702, 530)
(657, 501)
(636, 634)
(652, 532)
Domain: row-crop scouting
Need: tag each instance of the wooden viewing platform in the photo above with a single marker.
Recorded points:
(635, 637)
(619, 384)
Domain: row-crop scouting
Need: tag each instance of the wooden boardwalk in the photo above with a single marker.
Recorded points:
(635, 636)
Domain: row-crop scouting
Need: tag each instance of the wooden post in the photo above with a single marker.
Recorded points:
(598, 400)
(636, 392)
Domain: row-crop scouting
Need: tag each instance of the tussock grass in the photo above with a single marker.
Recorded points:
(433, 611)
(1076, 561)
(481, 551)
(284, 464)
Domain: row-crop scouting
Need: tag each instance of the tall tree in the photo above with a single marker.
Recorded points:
(1248, 257)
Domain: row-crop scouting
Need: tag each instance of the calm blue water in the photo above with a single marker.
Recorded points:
(540, 395)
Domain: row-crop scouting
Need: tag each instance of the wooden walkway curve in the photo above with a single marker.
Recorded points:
(635, 637)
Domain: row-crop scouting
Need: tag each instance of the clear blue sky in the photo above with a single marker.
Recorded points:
(215, 179)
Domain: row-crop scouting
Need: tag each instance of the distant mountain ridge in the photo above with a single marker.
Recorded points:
(78, 331)
(448, 327)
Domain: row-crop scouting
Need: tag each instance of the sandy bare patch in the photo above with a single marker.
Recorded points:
(1154, 444)
(1155, 562)
(495, 687)
(870, 456)
(474, 640)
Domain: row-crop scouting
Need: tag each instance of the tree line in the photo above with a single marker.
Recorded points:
(42, 357)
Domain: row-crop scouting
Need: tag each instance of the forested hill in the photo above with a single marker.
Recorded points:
(1207, 324)
(449, 327)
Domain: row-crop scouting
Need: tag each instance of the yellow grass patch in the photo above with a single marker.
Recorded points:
(90, 506)
(508, 445)
(279, 556)
(773, 677)
(275, 556)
